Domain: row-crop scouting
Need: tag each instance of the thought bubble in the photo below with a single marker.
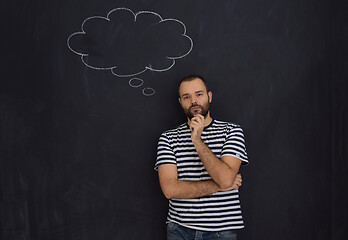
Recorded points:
(136, 82)
(129, 43)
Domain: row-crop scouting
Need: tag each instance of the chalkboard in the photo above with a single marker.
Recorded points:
(87, 87)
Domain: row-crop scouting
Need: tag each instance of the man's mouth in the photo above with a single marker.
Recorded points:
(195, 108)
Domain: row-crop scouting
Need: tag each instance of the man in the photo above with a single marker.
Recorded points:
(198, 164)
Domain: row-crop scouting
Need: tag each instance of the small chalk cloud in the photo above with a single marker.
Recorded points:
(129, 43)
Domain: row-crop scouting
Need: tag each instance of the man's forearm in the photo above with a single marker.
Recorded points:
(190, 189)
(219, 171)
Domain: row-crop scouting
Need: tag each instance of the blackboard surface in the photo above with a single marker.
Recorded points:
(81, 112)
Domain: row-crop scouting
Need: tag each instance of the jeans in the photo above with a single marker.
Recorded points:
(178, 232)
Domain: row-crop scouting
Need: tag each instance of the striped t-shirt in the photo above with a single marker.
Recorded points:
(219, 211)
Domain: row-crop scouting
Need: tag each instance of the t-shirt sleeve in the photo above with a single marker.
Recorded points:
(165, 153)
(235, 144)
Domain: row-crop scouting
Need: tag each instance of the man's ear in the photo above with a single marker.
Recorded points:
(179, 100)
(210, 96)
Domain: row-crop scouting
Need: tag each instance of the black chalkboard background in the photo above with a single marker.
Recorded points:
(78, 145)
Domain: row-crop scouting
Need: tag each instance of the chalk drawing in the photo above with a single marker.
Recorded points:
(148, 91)
(128, 43)
(136, 82)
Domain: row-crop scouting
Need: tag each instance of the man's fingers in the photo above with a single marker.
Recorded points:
(238, 183)
(196, 123)
(198, 118)
(238, 180)
(194, 120)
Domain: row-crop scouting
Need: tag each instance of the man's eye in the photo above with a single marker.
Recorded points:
(186, 97)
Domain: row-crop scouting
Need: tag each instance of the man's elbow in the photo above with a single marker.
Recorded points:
(168, 190)
(225, 183)
(167, 193)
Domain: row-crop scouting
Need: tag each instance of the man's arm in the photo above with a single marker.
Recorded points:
(223, 171)
(174, 188)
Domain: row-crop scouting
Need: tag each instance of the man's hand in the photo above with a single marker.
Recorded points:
(236, 184)
(196, 126)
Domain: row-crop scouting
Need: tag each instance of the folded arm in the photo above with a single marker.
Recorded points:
(223, 171)
(174, 188)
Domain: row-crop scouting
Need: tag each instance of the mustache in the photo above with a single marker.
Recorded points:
(195, 105)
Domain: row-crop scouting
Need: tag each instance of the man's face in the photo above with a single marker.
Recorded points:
(194, 98)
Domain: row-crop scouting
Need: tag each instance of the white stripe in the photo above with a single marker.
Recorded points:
(183, 169)
(212, 224)
(165, 151)
(181, 159)
(210, 219)
(206, 205)
(196, 164)
(159, 158)
(214, 140)
(215, 145)
(195, 200)
(192, 174)
(187, 178)
(209, 214)
(186, 153)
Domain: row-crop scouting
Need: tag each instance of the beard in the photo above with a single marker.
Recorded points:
(203, 110)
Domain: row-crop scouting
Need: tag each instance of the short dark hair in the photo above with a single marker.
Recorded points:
(190, 78)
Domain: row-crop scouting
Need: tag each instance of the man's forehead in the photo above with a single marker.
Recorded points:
(193, 86)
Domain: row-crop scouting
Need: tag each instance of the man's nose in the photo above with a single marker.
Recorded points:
(193, 100)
